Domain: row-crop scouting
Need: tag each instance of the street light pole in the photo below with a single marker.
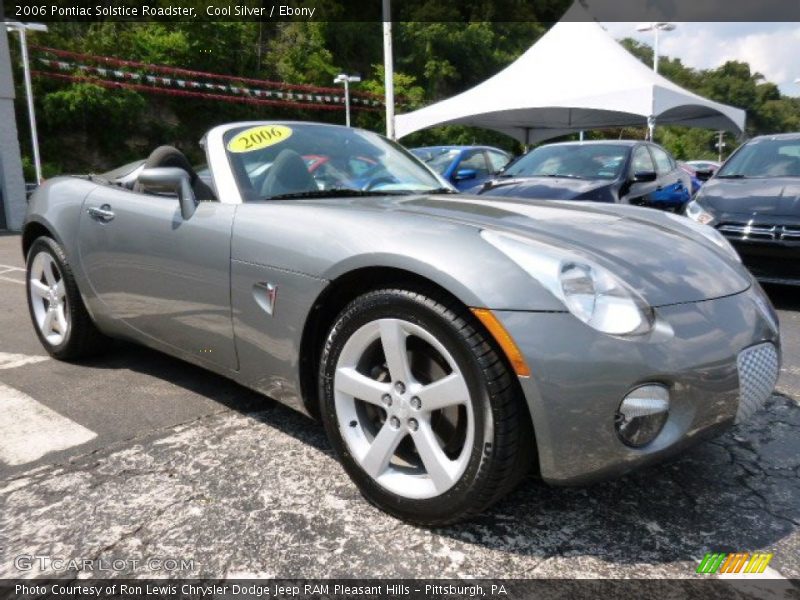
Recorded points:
(22, 29)
(655, 28)
(388, 68)
(347, 80)
(655, 49)
(347, 101)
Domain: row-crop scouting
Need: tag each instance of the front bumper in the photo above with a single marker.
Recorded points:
(769, 245)
(579, 377)
(771, 262)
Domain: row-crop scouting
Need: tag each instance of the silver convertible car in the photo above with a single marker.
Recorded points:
(449, 343)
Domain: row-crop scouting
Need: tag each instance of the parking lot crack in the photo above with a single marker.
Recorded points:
(766, 505)
(133, 533)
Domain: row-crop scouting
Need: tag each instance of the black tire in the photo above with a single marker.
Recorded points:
(503, 447)
(83, 338)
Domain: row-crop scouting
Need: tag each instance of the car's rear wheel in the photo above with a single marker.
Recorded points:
(60, 319)
(421, 408)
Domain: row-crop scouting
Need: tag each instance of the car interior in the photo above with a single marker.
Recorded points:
(783, 165)
(127, 176)
(169, 156)
(288, 175)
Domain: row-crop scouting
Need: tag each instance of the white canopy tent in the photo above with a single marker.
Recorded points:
(576, 77)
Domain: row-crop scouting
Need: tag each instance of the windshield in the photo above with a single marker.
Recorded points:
(440, 160)
(273, 160)
(579, 161)
(764, 158)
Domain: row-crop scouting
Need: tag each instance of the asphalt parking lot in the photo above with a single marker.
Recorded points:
(144, 457)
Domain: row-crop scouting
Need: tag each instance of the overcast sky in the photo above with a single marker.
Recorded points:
(772, 49)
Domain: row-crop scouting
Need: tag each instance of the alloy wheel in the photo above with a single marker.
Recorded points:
(403, 408)
(48, 298)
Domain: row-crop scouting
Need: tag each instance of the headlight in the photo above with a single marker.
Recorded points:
(697, 213)
(764, 305)
(706, 231)
(590, 292)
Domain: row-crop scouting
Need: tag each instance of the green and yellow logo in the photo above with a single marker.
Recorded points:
(737, 562)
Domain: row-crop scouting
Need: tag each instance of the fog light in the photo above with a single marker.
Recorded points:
(642, 415)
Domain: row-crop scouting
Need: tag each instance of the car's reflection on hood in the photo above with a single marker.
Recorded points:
(551, 188)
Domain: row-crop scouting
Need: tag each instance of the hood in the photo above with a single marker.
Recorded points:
(548, 188)
(666, 262)
(778, 196)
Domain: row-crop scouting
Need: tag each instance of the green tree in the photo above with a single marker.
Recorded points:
(440, 48)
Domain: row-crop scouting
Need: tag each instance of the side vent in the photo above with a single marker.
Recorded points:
(265, 294)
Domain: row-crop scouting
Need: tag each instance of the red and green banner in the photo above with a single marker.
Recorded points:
(117, 73)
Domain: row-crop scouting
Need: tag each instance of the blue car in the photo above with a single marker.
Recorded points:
(621, 171)
(694, 176)
(463, 166)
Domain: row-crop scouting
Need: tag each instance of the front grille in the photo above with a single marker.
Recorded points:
(758, 373)
(760, 232)
(791, 234)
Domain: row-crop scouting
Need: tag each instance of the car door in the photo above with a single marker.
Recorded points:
(472, 170)
(165, 278)
(672, 192)
(642, 181)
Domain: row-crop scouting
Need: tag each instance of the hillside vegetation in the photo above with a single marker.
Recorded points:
(85, 127)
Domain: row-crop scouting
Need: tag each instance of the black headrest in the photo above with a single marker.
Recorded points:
(169, 156)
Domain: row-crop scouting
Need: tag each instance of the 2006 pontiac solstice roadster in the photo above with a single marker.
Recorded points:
(448, 343)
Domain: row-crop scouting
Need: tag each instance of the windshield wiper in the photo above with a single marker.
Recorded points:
(560, 176)
(554, 175)
(335, 192)
(732, 176)
(441, 190)
(348, 192)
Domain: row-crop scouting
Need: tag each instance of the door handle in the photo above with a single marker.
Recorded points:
(104, 213)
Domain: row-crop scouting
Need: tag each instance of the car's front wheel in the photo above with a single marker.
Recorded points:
(62, 323)
(421, 408)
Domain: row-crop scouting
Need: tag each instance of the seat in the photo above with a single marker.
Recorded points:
(793, 167)
(169, 156)
(288, 175)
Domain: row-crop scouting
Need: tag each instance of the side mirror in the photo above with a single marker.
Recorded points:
(462, 174)
(171, 180)
(644, 176)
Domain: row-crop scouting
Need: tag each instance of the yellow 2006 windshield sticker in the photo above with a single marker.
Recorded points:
(259, 137)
